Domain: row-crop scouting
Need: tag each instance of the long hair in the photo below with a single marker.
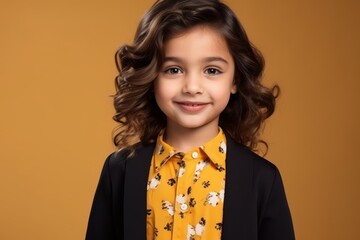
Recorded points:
(137, 113)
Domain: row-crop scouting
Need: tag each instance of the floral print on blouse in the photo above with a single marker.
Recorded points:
(185, 191)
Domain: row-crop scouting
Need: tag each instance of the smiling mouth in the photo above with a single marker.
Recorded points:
(192, 107)
(193, 104)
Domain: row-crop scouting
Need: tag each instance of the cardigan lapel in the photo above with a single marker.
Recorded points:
(136, 178)
(239, 220)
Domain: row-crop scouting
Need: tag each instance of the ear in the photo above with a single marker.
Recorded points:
(233, 89)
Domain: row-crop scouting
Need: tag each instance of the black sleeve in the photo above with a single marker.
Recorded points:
(276, 222)
(105, 219)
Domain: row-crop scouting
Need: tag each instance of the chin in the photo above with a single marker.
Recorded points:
(194, 125)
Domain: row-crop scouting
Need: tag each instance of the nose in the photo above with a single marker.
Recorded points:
(192, 84)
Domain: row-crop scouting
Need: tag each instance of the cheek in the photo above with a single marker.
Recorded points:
(162, 92)
(223, 89)
(222, 95)
(224, 98)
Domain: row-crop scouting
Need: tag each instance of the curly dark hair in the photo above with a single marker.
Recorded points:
(137, 113)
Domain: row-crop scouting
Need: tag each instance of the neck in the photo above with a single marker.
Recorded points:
(184, 139)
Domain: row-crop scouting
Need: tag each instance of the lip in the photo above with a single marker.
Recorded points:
(192, 107)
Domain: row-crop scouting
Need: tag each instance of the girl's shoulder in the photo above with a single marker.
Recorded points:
(243, 159)
(237, 150)
(118, 159)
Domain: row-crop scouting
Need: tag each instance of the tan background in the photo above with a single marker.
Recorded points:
(57, 70)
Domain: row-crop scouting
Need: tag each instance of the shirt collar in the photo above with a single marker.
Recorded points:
(214, 150)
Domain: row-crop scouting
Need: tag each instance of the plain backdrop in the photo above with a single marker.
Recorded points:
(56, 75)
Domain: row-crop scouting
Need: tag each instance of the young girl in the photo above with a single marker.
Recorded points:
(189, 93)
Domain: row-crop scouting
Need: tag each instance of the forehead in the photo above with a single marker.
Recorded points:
(198, 40)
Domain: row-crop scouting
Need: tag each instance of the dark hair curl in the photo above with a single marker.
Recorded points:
(138, 64)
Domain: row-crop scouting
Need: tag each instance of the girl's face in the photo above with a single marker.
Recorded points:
(196, 79)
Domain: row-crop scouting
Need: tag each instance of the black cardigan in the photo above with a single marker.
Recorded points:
(255, 205)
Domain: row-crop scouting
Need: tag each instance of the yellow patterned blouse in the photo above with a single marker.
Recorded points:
(185, 191)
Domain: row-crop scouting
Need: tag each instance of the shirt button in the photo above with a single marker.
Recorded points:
(184, 207)
(194, 155)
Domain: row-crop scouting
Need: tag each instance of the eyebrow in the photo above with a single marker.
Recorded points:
(207, 59)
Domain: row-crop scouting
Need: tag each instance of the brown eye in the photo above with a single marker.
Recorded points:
(173, 70)
(212, 71)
